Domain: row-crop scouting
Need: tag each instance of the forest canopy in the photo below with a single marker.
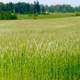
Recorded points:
(27, 8)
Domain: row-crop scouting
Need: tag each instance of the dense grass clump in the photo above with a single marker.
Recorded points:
(46, 49)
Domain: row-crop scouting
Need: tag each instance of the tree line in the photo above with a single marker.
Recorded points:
(10, 10)
(27, 8)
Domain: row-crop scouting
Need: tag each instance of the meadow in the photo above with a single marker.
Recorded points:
(41, 49)
(47, 15)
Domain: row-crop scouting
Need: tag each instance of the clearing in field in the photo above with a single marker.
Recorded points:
(47, 49)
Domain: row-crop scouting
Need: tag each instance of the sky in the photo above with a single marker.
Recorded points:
(49, 2)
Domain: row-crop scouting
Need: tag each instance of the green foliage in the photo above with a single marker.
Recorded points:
(37, 9)
(7, 16)
(77, 14)
(27, 8)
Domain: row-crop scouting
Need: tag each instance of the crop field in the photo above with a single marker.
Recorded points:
(41, 49)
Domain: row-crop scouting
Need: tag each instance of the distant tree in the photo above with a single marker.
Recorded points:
(43, 10)
(61, 8)
(2, 6)
(77, 9)
(37, 9)
(31, 8)
(51, 8)
(46, 8)
(9, 7)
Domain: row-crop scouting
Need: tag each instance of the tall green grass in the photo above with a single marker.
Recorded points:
(46, 49)
(47, 16)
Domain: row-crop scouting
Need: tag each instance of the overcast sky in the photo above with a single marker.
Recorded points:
(49, 2)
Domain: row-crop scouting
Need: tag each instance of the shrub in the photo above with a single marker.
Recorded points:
(77, 14)
(7, 16)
